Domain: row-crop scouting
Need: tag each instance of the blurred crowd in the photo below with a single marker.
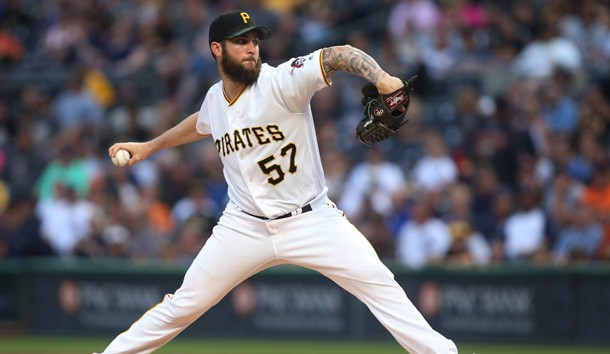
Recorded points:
(505, 158)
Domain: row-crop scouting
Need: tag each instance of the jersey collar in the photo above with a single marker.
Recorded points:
(230, 102)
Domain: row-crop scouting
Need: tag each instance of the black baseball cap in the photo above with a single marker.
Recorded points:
(233, 24)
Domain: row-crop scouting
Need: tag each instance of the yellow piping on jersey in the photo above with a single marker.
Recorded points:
(236, 97)
(322, 68)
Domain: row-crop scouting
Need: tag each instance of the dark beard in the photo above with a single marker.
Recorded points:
(236, 72)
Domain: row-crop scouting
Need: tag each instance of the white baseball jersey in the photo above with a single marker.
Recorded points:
(266, 138)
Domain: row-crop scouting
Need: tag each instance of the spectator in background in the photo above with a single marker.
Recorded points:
(547, 53)
(316, 27)
(526, 232)
(435, 170)
(7, 125)
(174, 171)
(506, 36)
(442, 54)
(559, 158)
(559, 110)
(116, 239)
(196, 202)
(75, 107)
(67, 167)
(535, 130)
(114, 44)
(23, 160)
(408, 17)
(468, 247)
(192, 235)
(589, 153)
(424, 239)
(457, 204)
(411, 23)
(485, 188)
(503, 207)
(199, 70)
(336, 167)
(35, 110)
(210, 169)
(285, 45)
(66, 219)
(5, 197)
(580, 165)
(131, 119)
(588, 26)
(168, 56)
(114, 227)
(98, 85)
(580, 240)
(17, 23)
(499, 141)
(11, 49)
(473, 126)
(376, 181)
(595, 111)
(109, 236)
(153, 224)
(20, 234)
(475, 52)
(379, 234)
(561, 199)
(157, 213)
(596, 195)
(65, 36)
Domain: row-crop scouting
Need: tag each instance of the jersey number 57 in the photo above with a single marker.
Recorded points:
(278, 173)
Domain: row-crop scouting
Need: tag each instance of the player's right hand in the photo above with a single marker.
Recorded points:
(138, 151)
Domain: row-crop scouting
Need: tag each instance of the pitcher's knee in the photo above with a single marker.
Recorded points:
(182, 308)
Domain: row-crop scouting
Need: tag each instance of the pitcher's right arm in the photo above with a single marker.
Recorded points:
(180, 134)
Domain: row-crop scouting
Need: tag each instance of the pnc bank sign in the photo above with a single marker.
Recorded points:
(479, 308)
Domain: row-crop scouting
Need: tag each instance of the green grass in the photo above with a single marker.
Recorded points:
(69, 345)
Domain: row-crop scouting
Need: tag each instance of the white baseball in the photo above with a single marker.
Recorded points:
(121, 158)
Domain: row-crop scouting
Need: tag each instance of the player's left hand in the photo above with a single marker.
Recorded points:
(384, 113)
(389, 84)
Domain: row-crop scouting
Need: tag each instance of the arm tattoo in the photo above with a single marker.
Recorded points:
(352, 60)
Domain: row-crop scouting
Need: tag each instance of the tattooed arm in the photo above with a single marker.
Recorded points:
(354, 61)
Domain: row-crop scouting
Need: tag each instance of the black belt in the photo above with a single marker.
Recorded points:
(302, 210)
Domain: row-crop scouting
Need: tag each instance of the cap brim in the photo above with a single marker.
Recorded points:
(263, 32)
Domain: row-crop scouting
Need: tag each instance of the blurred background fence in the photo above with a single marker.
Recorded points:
(505, 304)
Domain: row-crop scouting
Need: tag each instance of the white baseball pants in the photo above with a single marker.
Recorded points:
(242, 245)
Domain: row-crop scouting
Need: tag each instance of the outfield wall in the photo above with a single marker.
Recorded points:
(517, 304)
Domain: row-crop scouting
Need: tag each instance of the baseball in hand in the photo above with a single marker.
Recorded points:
(121, 158)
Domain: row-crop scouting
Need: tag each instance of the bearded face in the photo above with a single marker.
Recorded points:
(236, 69)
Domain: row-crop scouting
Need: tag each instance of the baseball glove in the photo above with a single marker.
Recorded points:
(382, 113)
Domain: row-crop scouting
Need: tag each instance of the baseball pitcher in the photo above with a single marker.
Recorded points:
(260, 120)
